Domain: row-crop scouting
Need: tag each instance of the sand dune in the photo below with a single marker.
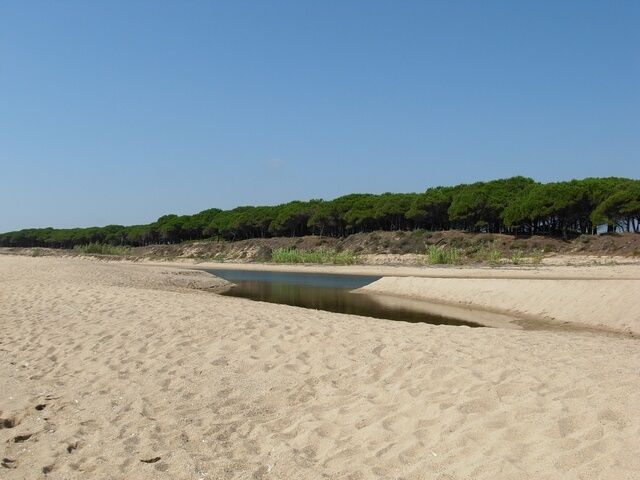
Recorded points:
(114, 371)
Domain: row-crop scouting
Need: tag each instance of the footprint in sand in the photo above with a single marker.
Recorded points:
(22, 438)
(9, 422)
(151, 460)
(8, 463)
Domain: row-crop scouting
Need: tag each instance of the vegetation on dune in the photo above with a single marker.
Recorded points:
(487, 255)
(515, 205)
(440, 255)
(517, 257)
(102, 249)
(320, 256)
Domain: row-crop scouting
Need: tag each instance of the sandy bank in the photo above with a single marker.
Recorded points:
(605, 303)
(104, 376)
(599, 296)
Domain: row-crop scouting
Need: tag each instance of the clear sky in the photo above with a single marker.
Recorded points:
(121, 111)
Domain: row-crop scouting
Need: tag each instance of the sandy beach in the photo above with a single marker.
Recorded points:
(123, 371)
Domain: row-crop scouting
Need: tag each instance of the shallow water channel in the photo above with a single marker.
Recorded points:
(322, 291)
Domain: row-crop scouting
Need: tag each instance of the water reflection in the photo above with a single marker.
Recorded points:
(325, 292)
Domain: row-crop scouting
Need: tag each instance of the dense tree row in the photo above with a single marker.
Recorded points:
(515, 205)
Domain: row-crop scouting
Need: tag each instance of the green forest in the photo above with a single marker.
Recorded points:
(517, 205)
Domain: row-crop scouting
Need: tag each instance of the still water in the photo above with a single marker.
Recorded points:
(322, 291)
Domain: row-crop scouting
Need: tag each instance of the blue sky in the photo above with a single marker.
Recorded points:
(119, 112)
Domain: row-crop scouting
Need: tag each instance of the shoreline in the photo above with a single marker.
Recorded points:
(556, 303)
(540, 272)
(603, 298)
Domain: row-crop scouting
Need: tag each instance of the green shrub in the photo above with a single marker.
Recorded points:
(102, 249)
(487, 255)
(516, 257)
(442, 255)
(319, 256)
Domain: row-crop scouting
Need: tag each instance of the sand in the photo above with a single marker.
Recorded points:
(606, 304)
(110, 370)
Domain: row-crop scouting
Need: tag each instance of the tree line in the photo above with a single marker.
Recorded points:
(516, 205)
